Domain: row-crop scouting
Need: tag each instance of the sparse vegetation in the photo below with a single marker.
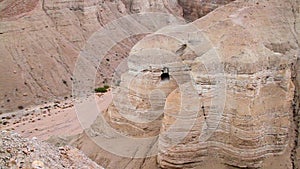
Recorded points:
(102, 89)
(106, 86)
(65, 82)
(5, 123)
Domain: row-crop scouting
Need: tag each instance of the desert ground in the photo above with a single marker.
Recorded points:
(57, 119)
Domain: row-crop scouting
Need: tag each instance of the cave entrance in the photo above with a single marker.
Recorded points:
(165, 74)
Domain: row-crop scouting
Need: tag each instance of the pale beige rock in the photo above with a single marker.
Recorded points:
(246, 119)
(37, 164)
(257, 121)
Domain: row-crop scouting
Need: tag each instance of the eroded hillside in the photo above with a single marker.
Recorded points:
(230, 98)
(41, 39)
(221, 91)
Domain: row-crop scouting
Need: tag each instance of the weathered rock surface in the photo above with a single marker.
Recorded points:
(257, 50)
(41, 39)
(40, 42)
(108, 159)
(137, 6)
(194, 9)
(17, 152)
(230, 96)
(232, 93)
(13, 9)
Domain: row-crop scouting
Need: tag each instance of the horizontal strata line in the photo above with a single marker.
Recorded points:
(252, 128)
(244, 153)
(223, 152)
(262, 129)
(259, 140)
(239, 135)
(258, 116)
(175, 162)
(259, 130)
(205, 153)
(269, 113)
(262, 137)
(246, 137)
(196, 144)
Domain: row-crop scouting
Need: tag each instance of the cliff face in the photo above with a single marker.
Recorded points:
(231, 96)
(258, 47)
(258, 50)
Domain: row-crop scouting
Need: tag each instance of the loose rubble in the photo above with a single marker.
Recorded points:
(18, 152)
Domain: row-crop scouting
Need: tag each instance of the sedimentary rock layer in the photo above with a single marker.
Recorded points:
(257, 45)
(229, 93)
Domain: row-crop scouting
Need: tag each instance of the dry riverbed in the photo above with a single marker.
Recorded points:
(53, 119)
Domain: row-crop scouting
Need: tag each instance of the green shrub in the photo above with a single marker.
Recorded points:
(101, 90)
(106, 86)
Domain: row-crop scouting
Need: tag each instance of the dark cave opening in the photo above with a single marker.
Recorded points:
(165, 74)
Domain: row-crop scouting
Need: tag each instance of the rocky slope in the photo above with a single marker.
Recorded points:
(220, 92)
(231, 96)
(41, 39)
(17, 152)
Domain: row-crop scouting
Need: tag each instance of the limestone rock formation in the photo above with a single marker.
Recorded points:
(231, 92)
(257, 50)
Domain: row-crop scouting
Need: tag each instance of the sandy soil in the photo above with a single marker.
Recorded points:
(54, 119)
